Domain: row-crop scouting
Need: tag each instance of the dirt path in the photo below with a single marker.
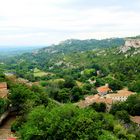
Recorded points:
(5, 131)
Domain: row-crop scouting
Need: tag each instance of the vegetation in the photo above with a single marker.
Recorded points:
(70, 122)
(24, 99)
(99, 107)
(39, 73)
(63, 74)
(3, 105)
(99, 61)
(131, 105)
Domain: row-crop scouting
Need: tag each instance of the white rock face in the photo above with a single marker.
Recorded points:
(135, 43)
(130, 43)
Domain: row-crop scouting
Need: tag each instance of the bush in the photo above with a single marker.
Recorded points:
(123, 116)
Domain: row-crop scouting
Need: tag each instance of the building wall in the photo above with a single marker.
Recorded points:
(121, 98)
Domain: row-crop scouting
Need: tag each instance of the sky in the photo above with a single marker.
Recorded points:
(46, 22)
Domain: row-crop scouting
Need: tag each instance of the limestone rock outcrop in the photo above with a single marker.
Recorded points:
(130, 43)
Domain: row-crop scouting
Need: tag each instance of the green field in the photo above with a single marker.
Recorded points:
(39, 73)
(56, 80)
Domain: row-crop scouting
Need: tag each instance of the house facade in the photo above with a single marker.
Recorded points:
(3, 90)
(121, 95)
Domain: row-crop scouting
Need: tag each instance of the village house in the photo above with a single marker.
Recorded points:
(104, 96)
(103, 90)
(3, 90)
(99, 99)
(89, 100)
(135, 119)
(121, 95)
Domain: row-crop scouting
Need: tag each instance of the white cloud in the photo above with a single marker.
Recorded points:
(42, 22)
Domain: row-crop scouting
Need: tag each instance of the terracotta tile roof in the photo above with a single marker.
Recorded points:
(135, 119)
(3, 85)
(82, 104)
(88, 101)
(121, 93)
(103, 89)
(104, 100)
(92, 99)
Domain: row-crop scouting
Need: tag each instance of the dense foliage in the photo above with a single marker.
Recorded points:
(3, 105)
(73, 58)
(23, 99)
(131, 105)
(70, 122)
(65, 73)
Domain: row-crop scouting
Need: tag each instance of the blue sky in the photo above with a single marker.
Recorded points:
(45, 22)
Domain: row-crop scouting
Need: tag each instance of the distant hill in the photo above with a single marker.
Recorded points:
(14, 51)
(135, 37)
(72, 57)
(73, 45)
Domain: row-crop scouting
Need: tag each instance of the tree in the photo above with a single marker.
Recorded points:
(99, 82)
(76, 93)
(123, 116)
(115, 84)
(43, 83)
(133, 104)
(64, 95)
(37, 89)
(89, 72)
(22, 98)
(135, 86)
(107, 136)
(87, 89)
(118, 107)
(2, 77)
(3, 105)
(69, 82)
(99, 107)
(70, 122)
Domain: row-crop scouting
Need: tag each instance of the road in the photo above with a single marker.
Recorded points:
(5, 131)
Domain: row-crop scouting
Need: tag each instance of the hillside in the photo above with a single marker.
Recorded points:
(73, 45)
(58, 55)
(73, 57)
(47, 86)
(131, 43)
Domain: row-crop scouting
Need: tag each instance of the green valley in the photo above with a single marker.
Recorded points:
(78, 89)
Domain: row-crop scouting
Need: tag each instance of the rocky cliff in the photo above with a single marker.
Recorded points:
(129, 44)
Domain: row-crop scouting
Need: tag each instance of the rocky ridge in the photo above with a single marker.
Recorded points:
(130, 44)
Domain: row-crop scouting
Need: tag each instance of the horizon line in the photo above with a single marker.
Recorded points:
(47, 45)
